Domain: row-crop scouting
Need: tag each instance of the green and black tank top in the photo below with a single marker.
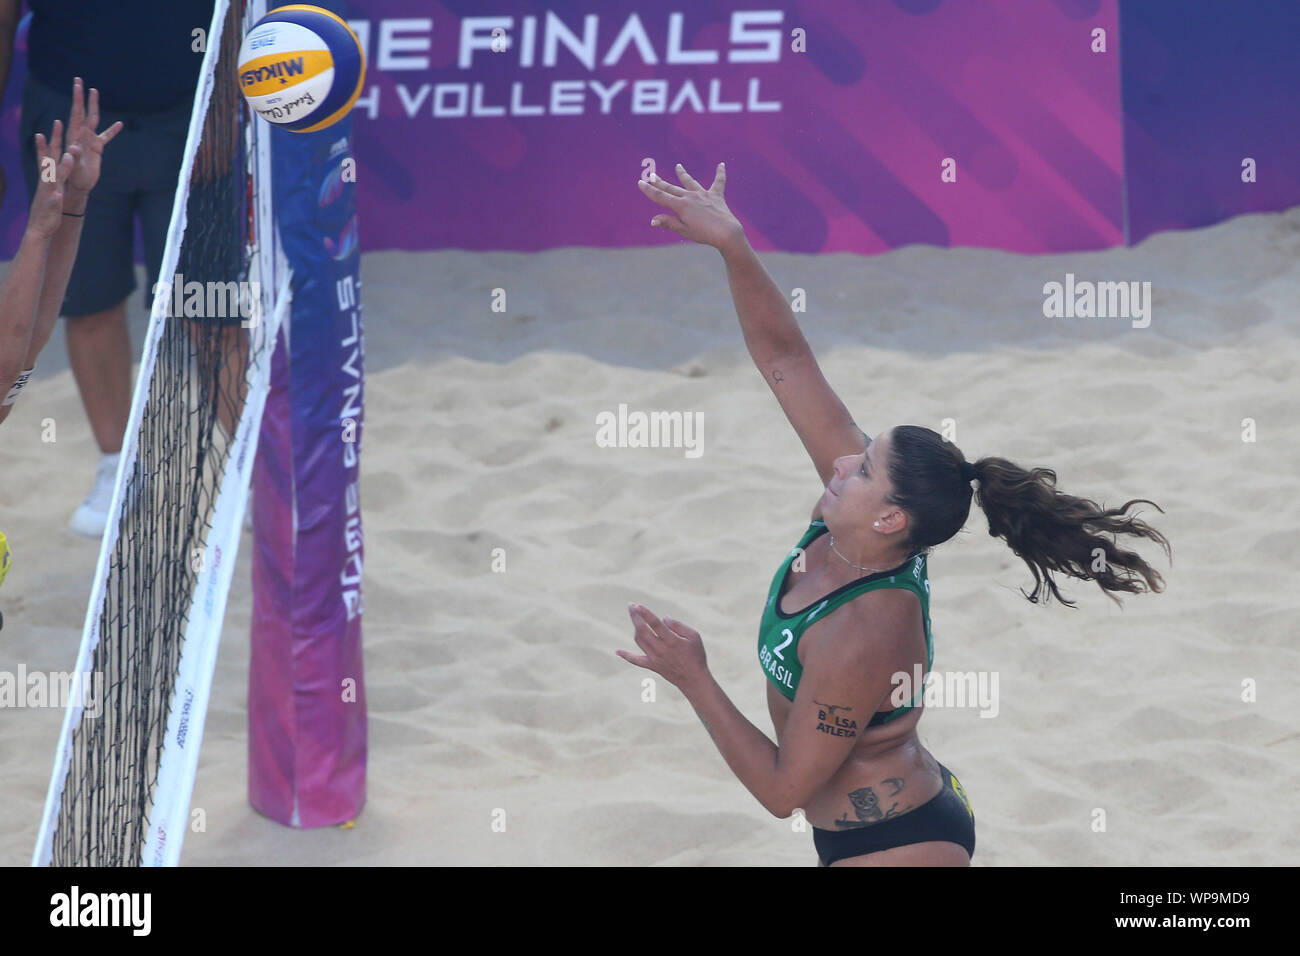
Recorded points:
(779, 634)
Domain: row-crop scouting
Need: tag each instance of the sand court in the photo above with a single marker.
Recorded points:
(503, 543)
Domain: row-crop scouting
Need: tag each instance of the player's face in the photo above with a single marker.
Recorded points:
(856, 493)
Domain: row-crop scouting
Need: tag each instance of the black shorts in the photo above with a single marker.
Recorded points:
(137, 180)
(946, 816)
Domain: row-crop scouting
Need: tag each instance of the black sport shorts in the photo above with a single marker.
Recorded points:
(137, 180)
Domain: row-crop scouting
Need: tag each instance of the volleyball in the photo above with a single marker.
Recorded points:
(301, 68)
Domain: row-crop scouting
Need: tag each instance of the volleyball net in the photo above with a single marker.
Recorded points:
(120, 790)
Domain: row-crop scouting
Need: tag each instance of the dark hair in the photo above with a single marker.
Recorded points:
(1052, 532)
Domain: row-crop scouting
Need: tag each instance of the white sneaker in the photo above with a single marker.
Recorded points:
(92, 517)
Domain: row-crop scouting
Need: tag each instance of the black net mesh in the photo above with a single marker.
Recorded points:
(195, 398)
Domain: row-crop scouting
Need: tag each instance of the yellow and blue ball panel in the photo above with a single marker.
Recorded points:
(301, 67)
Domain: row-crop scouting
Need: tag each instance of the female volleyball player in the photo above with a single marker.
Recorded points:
(33, 290)
(847, 616)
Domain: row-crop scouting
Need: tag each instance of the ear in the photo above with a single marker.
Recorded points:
(893, 521)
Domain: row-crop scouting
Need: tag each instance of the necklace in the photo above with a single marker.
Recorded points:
(850, 563)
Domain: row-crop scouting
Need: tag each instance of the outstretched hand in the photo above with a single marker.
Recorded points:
(53, 173)
(701, 214)
(81, 132)
(672, 650)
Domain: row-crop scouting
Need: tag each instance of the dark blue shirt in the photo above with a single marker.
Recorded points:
(139, 54)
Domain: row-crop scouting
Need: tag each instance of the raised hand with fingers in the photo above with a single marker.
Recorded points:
(701, 215)
(672, 650)
(81, 132)
(53, 173)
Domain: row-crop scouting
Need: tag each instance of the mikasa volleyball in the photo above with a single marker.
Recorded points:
(301, 68)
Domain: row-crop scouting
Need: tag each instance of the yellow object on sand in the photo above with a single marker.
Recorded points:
(5, 557)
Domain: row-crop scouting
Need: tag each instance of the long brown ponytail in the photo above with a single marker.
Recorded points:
(1052, 532)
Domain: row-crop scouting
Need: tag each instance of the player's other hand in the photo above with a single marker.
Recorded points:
(699, 214)
(672, 650)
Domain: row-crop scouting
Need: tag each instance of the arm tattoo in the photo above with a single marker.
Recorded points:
(777, 376)
(830, 722)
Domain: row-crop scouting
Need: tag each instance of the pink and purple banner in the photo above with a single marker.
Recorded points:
(846, 125)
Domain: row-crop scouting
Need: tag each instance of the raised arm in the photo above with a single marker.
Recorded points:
(783, 356)
(771, 332)
(18, 294)
(21, 290)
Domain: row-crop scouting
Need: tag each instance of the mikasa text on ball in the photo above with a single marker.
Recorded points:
(301, 68)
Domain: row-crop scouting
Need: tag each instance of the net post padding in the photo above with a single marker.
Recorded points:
(306, 698)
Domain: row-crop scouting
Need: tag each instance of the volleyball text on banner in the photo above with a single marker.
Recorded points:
(925, 130)
(306, 696)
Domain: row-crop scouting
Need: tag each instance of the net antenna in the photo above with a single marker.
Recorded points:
(125, 764)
